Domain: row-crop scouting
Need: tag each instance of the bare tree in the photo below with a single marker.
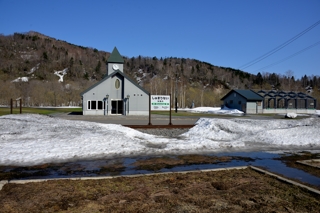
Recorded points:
(289, 75)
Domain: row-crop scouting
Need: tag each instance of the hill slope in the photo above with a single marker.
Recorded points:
(32, 64)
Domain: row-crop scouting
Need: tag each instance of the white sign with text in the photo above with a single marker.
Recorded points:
(160, 102)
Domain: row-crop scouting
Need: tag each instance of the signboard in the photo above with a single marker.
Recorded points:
(160, 102)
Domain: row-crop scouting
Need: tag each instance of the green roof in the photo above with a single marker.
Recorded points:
(115, 57)
(249, 95)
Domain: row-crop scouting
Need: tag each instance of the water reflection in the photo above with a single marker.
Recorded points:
(126, 166)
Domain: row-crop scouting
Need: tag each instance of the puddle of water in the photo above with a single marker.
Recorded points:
(125, 167)
(268, 162)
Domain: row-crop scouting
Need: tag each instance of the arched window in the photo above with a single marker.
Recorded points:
(117, 84)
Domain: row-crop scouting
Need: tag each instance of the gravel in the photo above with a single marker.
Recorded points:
(170, 133)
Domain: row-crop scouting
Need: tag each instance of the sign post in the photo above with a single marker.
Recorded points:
(149, 110)
(161, 103)
(170, 110)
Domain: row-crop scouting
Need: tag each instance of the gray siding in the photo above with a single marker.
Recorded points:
(260, 106)
(138, 103)
(110, 70)
(251, 107)
(97, 93)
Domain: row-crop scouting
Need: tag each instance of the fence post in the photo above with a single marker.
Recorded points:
(21, 106)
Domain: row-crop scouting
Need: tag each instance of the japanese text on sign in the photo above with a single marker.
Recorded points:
(160, 102)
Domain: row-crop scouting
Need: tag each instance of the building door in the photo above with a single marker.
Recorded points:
(117, 107)
(244, 108)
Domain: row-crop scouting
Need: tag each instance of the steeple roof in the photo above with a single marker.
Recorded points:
(115, 57)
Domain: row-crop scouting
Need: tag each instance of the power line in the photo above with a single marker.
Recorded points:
(271, 52)
(297, 53)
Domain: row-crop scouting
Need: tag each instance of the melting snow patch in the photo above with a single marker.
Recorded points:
(29, 139)
(21, 79)
(291, 115)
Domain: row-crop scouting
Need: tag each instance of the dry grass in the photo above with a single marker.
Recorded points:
(158, 163)
(314, 162)
(43, 111)
(224, 191)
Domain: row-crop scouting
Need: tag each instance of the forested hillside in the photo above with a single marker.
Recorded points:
(29, 61)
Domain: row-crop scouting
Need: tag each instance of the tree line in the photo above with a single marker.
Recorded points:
(190, 80)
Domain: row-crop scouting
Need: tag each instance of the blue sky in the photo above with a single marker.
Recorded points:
(227, 33)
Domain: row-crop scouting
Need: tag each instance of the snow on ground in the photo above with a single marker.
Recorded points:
(33, 69)
(214, 110)
(30, 139)
(21, 79)
(291, 115)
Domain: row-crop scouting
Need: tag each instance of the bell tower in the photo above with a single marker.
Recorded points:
(115, 62)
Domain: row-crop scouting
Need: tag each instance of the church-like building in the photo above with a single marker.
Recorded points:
(116, 93)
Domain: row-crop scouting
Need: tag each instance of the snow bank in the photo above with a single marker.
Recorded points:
(29, 139)
(215, 110)
(302, 132)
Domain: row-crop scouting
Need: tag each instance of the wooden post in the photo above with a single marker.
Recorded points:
(149, 109)
(176, 105)
(11, 105)
(170, 123)
(20, 105)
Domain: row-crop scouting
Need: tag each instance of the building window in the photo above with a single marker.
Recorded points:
(96, 105)
(93, 105)
(239, 102)
(100, 105)
(117, 84)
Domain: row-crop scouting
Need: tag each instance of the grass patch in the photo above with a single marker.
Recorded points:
(158, 163)
(42, 111)
(225, 191)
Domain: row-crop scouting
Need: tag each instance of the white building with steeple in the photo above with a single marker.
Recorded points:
(116, 93)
